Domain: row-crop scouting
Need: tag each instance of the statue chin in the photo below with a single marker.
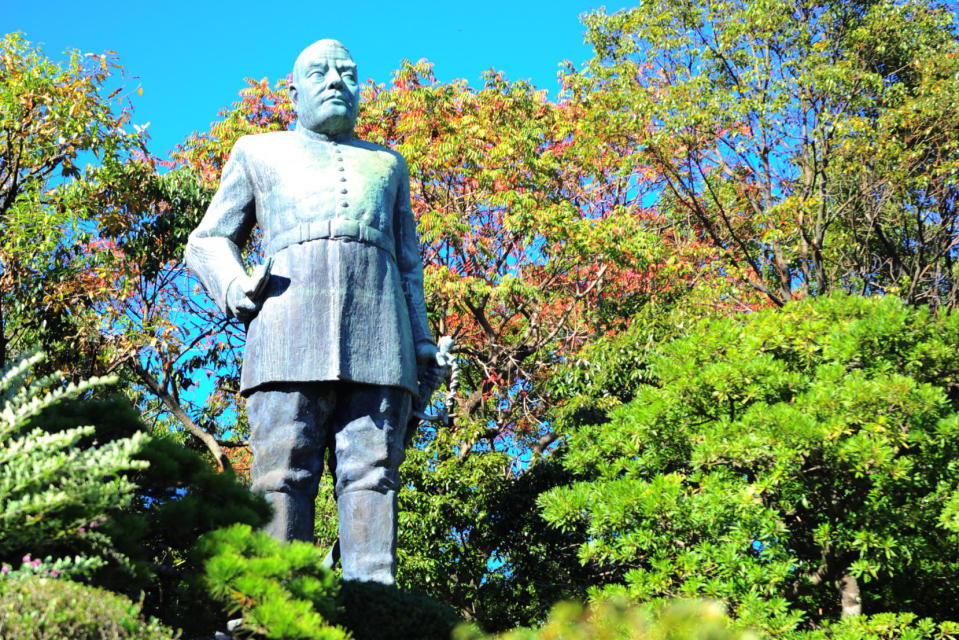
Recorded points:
(330, 125)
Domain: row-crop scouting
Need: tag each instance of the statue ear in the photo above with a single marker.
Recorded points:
(293, 93)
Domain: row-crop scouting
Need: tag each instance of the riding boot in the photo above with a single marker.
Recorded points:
(293, 514)
(368, 535)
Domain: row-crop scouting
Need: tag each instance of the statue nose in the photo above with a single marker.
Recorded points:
(334, 80)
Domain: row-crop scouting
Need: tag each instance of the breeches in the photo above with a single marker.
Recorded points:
(294, 425)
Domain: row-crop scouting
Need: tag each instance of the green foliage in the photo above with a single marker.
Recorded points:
(45, 609)
(775, 457)
(609, 371)
(617, 620)
(372, 611)
(885, 626)
(55, 484)
(179, 496)
(51, 115)
(471, 536)
(183, 497)
(812, 143)
(280, 590)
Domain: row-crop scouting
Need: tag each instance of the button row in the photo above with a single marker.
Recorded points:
(339, 158)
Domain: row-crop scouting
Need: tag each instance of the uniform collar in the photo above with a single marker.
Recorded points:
(322, 137)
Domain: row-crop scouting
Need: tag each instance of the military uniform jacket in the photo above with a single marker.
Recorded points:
(345, 297)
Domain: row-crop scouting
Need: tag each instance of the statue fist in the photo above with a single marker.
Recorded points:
(435, 364)
(244, 296)
(426, 353)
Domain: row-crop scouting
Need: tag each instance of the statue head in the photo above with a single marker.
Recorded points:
(325, 89)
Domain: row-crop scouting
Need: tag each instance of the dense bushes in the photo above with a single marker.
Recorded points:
(48, 609)
(148, 518)
(799, 464)
(618, 620)
(57, 485)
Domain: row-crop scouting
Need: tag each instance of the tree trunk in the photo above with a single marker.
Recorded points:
(174, 407)
(848, 588)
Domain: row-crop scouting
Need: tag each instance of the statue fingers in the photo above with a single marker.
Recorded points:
(245, 309)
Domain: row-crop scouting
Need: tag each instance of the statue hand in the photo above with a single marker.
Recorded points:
(244, 296)
(433, 366)
(240, 305)
(426, 353)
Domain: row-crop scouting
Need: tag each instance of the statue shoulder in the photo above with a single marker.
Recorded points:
(387, 155)
(257, 143)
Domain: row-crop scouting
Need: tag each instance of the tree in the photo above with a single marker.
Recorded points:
(56, 482)
(513, 219)
(85, 492)
(52, 116)
(91, 267)
(812, 143)
(799, 464)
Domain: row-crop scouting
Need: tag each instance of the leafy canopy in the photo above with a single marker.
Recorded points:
(795, 464)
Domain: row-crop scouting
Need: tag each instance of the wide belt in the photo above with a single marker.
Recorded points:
(331, 229)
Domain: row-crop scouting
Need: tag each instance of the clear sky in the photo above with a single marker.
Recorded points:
(191, 57)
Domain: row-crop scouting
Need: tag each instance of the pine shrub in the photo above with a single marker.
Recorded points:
(56, 486)
(280, 590)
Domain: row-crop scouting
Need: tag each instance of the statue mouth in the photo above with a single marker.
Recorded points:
(334, 98)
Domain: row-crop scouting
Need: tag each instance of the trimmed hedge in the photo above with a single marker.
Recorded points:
(49, 609)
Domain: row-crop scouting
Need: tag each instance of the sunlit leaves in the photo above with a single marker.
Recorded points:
(776, 129)
(770, 454)
(53, 116)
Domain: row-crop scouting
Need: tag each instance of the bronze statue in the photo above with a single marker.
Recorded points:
(337, 336)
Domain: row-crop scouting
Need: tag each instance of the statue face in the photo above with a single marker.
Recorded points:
(325, 89)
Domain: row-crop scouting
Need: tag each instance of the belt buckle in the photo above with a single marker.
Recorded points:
(345, 228)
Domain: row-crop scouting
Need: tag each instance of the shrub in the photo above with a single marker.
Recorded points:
(616, 620)
(84, 491)
(280, 590)
(883, 626)
(374, 611)
(798, 464)
(47, 609)
(55, 483)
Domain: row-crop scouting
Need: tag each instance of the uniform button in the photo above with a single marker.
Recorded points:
(345, 204)
(342, 178)
(341, 169)
(342, 190)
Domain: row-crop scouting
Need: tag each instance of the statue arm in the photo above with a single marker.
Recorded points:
(213, 250)
(411, 266)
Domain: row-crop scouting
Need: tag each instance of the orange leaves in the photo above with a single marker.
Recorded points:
(261, 107)
(512, 197)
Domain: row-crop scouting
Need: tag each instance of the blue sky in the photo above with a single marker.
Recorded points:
(191, 57)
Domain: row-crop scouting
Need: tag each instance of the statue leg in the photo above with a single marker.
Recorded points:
(370, 425)
(288, 438)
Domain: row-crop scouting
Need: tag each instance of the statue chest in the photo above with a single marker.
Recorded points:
(317, 181)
